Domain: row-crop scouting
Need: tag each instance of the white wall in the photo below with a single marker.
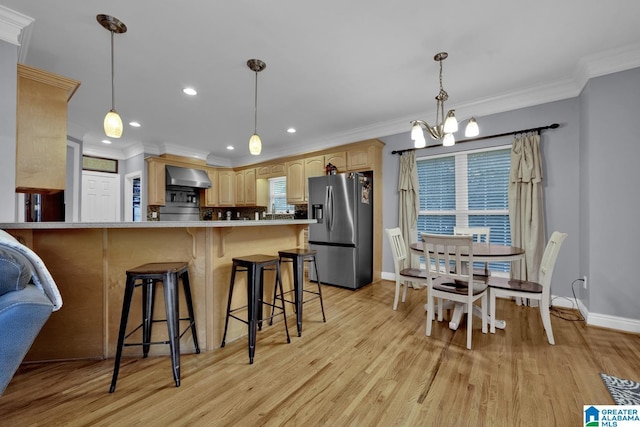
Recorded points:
(611, 231)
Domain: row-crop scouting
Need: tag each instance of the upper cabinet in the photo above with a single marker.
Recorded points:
(156, 182)
(211, 193)
(270, 171)
(245, 187)
(41, 134)
(364, 157)
(295, 182)
(250, 187)
(338, 159)
(314, 166)
(226, 187)
(239, 188)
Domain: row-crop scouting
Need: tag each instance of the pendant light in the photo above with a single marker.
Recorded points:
(112, 121)
(255, 144)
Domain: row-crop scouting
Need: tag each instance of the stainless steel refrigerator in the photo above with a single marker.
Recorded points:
(343, 236)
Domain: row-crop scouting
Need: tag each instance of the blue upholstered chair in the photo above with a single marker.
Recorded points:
(28, 296)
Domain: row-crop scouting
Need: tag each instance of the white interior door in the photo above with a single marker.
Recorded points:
(100, 197)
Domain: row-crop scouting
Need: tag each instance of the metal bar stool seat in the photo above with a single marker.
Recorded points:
(254, 266)
(298, 256)
(147, 276)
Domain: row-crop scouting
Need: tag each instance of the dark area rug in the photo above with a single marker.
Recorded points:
(623, 392)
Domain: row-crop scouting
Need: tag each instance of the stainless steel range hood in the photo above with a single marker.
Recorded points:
(187, 177)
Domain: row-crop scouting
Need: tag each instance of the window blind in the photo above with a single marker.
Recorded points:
(468, 189)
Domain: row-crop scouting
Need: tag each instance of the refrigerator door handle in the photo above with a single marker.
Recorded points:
(330, 208)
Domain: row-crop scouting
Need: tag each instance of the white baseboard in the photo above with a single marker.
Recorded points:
(601, 320)
(614, 322)
(388, 276)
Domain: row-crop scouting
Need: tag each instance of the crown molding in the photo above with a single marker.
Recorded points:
(179, 150)
(11, 25)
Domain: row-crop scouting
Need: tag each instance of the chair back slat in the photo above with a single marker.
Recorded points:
(479, 234)
(549, 258)
(449, 257)
(398, 247)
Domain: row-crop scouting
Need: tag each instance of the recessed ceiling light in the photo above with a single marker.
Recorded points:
(106, 141)
(291, 130)
(230, 147)
(190, 91)
(134, 124)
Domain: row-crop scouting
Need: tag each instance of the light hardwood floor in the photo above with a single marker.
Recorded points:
(367, 366)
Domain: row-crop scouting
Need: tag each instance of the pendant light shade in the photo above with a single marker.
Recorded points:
(451, 124)
(448, 140)
(255, 143)
(112, 121)
(113, 124)
(472, 128)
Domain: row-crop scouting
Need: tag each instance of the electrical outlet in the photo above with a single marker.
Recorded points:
(584, 282)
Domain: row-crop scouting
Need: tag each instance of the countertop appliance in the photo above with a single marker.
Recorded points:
(343, 236)
(181, 204)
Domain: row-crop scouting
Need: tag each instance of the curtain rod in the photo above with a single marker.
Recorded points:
(553, 126)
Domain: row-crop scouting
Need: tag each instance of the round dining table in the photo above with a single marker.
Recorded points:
(482, 252)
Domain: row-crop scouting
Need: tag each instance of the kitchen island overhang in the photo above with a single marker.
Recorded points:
(89, 261)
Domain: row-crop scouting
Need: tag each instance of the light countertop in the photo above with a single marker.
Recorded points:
(152, 224)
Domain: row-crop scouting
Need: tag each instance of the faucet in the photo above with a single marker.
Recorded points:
(273, 211)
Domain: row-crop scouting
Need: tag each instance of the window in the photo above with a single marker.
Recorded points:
(467, 189)
(278, 196)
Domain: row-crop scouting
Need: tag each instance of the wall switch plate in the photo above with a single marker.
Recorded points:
(584, 281)
(154, 214)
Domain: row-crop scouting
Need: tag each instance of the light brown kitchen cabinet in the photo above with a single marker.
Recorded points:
(211, 193)
(250, 187)
(362, 158)
(314, 166)
(239, 187)
(156, 182)
(245, 187)
(270, 171)
(295, 182)
(339, 160)
(41, 129)
(226, 187)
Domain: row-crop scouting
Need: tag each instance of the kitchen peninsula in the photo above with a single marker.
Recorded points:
(88, 262)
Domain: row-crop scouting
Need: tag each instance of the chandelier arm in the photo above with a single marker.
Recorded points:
(435, 132)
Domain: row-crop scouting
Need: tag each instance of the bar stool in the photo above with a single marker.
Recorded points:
(254, 265)
(298, 257)
(147, 276)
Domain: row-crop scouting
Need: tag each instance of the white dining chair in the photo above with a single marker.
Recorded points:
(480, 235)
(449, 260)
(403, 275)
(541, 291)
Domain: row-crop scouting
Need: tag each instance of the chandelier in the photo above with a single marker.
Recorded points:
(445, 125)
(112, 121)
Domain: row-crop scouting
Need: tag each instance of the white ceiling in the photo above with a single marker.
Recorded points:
(338, 71)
